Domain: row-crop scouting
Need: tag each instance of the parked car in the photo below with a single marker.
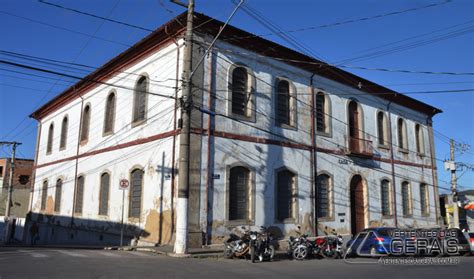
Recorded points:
(374, 241)
(462, 240)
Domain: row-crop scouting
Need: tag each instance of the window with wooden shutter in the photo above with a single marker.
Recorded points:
(57, 195)
(136, 190)
(104, 194)
(285, 195)
(63, 137)
(320, 112)
(283, 103)
(140, 100)
(323, 199)
(79, 202)
(381, 128)
(406, 199)
(385, 197)
(402, 134)
(424, 199)
(419, 139)
(109, 114)
(44, 194)
(49, 145)
(240, 91)
(239, 193)
(86, 119)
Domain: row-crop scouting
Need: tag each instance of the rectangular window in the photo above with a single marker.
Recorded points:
(239, 193)
(79, 195)
(385, 193)
(323, 181)
(104, 194)
(57, 198)
(424, 199)
(136, 194)
(320, 117)
(406, 204)
(1, 171)
(44, 195)
(285, 199)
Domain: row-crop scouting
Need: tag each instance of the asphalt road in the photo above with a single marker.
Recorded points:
(81, 263)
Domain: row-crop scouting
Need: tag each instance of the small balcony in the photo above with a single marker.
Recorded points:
(360, 148)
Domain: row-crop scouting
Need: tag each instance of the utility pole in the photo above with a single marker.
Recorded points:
(454, 195)
(8, 203)
(181, 245)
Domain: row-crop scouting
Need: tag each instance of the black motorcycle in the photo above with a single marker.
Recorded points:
(261, 246)
(239, 246)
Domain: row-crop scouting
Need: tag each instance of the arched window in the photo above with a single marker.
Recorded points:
(57, 195)
(140, 100)
(424, 200)
(382, 129)
(109, 117)
(402, 134)
(420, 147)
(86, 119)
(44, 195)
(283, 114)
(406, 199)
(322, 113)
(104, 194)
(323, 185)
(240, 91)
(49, 145)
(357, 143)
(63, 138)
(239, 193)
(285, 195)
(135, 200)
(79, 201)
(385, 197)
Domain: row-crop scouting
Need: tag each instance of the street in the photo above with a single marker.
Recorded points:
(86, 263)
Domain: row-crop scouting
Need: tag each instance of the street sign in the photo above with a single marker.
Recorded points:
(123, 184)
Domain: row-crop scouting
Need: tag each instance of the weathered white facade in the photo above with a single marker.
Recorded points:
(222, 141)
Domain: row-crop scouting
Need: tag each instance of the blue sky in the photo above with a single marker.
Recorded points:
(436, 39)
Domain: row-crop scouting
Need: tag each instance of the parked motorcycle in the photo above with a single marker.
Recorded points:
(330, 246)
(261, 246)
(237, 246)
(299, 247)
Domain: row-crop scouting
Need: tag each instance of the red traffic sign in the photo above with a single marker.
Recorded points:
(123, 184)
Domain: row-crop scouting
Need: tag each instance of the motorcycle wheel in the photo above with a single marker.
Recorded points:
(300, 252)
(268, 254)
(228, 253)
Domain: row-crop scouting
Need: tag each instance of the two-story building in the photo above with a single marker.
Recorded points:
(279, 139)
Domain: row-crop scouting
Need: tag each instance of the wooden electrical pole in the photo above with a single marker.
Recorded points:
(8, 203)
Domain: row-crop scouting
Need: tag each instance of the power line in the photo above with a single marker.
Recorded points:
(349, 21)
(64, 29)
(95, 16)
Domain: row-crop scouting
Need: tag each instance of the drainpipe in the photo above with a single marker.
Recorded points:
(434, 177)
(77, 161)
(313, 162)
(173, 155)
(392, 161)
(32, 187)
(209, 171)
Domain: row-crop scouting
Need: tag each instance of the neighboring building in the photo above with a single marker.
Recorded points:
(464, 207)
(361, 156)
(21, 185)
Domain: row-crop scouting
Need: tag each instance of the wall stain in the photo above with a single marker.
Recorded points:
(159, 231)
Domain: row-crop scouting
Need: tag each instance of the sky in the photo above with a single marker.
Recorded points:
(437, 39)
